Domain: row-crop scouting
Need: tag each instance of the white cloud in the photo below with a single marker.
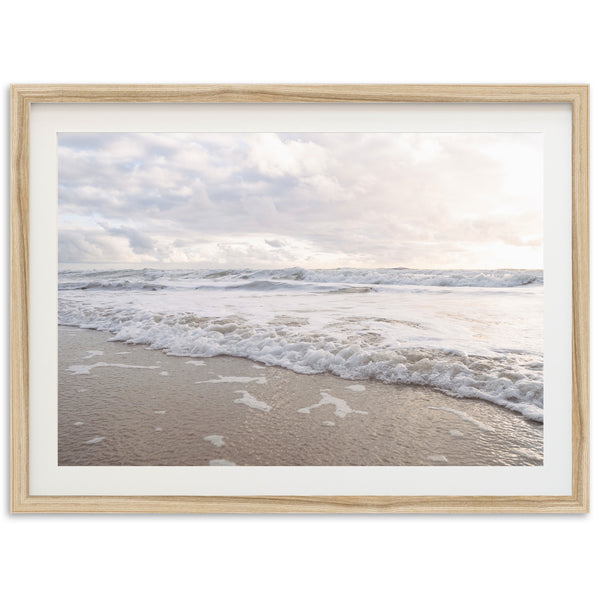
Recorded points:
(275, 157)
(416, 200)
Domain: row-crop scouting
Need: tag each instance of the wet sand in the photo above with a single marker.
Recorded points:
(123, 404)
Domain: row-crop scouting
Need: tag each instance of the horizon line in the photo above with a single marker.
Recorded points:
(159, 265)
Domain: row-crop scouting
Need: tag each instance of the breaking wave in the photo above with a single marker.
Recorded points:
(514, 381)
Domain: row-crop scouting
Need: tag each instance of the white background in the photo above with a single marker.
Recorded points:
(326, 556)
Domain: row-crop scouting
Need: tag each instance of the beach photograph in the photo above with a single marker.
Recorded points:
(300, 299)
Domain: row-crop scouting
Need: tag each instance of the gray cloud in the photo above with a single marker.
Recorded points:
(139, 242)
(274, 243)
(418, 200)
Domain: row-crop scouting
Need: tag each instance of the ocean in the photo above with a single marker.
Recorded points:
(467, 333)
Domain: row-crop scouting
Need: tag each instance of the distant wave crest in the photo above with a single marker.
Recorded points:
(117, 285)
(273, 279)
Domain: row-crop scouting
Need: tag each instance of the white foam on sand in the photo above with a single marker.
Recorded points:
(456, 433)
(329, 423)
(198, 363)
(85, 369)
(215, 440)
(437, 458)
(356, 387)
(233, 379)
(91, 353)
(81, 390)
(95, 440)
(164, 373)
(160, 412)
(126, 352)
(250, 401)
(221, 462)
(78, 423)
(341, 406)
(258, 367)
(465, 417)
(158, 429)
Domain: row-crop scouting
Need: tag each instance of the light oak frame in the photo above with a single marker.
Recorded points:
(22, 96)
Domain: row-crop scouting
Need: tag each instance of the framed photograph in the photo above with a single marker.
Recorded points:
(299, 298)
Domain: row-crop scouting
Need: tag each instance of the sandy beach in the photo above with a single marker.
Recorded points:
(123, 404)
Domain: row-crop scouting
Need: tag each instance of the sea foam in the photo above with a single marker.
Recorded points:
(252, 402)
(86, 369)
(341, 406)
(235, 379)
(215, 440)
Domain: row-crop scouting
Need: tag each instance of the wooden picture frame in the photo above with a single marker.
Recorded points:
(22, 98)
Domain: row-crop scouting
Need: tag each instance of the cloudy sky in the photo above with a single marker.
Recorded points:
(325, 200)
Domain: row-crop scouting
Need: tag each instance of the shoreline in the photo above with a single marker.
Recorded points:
(124, 404)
